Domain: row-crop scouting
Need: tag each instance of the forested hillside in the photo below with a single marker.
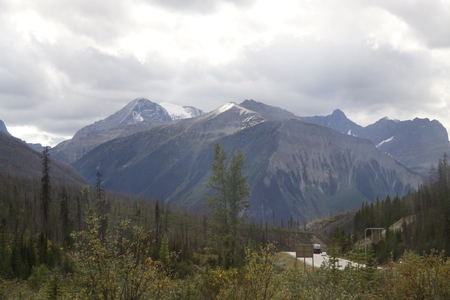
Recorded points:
(417, 222)
(56, 235)
(91, 244)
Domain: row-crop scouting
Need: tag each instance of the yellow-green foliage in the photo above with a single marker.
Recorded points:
(116, 268)
(214, 282)
(256, 280)
(259, 278)
(419, 277)
(15, 289)
(120, 268)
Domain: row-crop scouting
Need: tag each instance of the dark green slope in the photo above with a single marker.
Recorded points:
(19, 160)
(294, 168)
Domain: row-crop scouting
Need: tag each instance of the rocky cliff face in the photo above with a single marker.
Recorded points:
(294, 168)
(338, 121)
(269, 112)
(136, 111)
(3, 128)
(139, 114)
(415, 143)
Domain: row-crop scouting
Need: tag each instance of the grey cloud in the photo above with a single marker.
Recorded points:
(21, 78)
(196, 6)
(97, 70)
(352, 74)
(62, 87)
(101, 20)
(310, 76)
(429, 19)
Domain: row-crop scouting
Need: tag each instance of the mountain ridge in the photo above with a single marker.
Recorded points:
(416, 143)
(136, 111)
(139, 114)
(295, 168)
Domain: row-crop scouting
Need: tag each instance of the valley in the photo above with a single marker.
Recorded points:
(296, 169)
(128, 195)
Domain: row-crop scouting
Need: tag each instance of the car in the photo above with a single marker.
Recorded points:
(323, 254)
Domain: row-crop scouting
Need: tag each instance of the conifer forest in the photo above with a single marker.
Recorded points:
(63, 241)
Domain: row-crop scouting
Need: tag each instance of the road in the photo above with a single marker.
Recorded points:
(319, 260)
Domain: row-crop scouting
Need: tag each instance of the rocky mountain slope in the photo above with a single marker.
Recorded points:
(134, 112)
(338, 121)
(139, 115)
(17, 159)
(3, 128)
(415, 143)
(295, 168)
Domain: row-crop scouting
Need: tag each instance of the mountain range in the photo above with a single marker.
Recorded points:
(297, 167)
(415, 143)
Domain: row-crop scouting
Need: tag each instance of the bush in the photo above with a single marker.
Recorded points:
(117, 267)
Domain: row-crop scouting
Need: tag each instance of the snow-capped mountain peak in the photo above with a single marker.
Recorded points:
(177, 112)
(136, 111)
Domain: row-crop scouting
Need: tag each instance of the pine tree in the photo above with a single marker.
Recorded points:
(157, 222)
(102, 206)
(229, 202)
(164, 251)
(64, 215)
(53, 289)
(45, 190)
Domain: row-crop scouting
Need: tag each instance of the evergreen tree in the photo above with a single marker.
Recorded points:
(164, 251)
(102, 206)
(157, 222)
(228, 203)
(53, 289)
(64, 215)
(45, 190)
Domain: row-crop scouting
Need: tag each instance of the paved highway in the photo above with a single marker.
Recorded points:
(319, 260)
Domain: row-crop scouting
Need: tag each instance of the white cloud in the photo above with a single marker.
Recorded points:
(66, 64)
(430, 20)
(32, 135)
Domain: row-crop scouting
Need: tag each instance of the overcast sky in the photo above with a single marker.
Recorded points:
(65, 64)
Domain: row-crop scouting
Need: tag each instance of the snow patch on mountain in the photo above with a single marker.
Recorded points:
(393, 120)
(385, 141)
(225, 107)
(137, 117)
(177, 112)
(350, 133)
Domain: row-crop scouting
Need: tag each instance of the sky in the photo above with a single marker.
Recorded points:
(66, 64)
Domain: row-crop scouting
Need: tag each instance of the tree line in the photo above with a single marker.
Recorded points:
(422, 218)
(51, 228)
(62, 241)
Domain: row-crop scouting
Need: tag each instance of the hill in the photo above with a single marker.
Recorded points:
(17, 159)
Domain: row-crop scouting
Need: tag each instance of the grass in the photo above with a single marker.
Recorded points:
(284, 262)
